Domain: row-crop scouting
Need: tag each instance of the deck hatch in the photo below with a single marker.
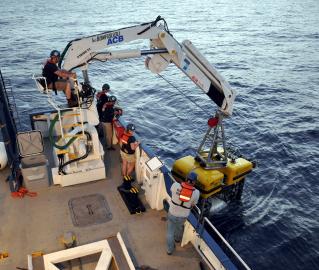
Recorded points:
(89, 210)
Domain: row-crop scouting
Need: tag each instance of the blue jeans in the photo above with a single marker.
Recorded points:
(175, 229)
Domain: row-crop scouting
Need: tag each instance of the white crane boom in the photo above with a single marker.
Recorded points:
(164, 49)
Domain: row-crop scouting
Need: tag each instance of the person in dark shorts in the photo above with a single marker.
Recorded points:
(52, 73)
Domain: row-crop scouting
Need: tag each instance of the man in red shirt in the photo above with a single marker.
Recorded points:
(104, 92)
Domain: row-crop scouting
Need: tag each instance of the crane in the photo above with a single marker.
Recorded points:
(164, 49)
(221, 172)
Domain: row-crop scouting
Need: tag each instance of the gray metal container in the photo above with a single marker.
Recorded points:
(34, 164)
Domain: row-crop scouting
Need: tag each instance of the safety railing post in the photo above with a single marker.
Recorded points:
(60, 121)
(76, 87)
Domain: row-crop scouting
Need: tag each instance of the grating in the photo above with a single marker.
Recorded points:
(89, 210)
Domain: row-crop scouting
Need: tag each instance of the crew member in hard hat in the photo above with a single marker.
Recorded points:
(103, 94)
(107, 115)
(184, 197)
(52, 73)
(128, 145)
(101, 98)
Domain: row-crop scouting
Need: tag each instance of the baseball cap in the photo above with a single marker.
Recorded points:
(130, 127)
(106, 86)
(192, 177)
(55, 53)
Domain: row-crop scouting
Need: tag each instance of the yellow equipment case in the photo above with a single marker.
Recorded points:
(211, 182)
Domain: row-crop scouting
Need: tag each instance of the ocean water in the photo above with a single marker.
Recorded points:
(269, 53)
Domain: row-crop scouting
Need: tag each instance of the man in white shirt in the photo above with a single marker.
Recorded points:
(184, 197)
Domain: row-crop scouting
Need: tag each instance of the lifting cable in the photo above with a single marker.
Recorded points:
(230, 148)
(171, 84)
(180, 91)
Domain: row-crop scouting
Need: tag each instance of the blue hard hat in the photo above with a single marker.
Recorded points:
(55, 53)
(130, 127)
(192, 177)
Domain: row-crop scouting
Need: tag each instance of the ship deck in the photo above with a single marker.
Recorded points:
(32, 224)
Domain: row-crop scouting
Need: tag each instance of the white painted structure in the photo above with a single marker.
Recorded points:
(103, 263)
(3, 156)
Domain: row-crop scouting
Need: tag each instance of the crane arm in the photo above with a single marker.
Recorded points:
(79, 52)
(164, 49)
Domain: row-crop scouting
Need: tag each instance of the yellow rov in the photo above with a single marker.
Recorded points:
(219, 172)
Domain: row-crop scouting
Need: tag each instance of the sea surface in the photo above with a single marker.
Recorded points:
(267, 50)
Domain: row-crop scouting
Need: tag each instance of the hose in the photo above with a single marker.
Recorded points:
(88, 150)
(61, 147)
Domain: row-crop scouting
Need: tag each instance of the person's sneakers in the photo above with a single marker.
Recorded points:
(170, 252)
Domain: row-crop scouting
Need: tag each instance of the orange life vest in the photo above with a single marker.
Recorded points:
(125, 137)
(124, 142)
(119, 129)
(186, 192)
(185, 195)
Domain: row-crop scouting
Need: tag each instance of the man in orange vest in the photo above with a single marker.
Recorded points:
(128, 146)
(184, 197)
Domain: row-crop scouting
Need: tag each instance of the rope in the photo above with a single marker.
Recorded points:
(22, 192)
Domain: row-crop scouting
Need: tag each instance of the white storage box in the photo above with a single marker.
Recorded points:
(34, 165)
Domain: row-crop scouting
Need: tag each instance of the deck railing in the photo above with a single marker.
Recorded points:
(226, 247)
(10, 99)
